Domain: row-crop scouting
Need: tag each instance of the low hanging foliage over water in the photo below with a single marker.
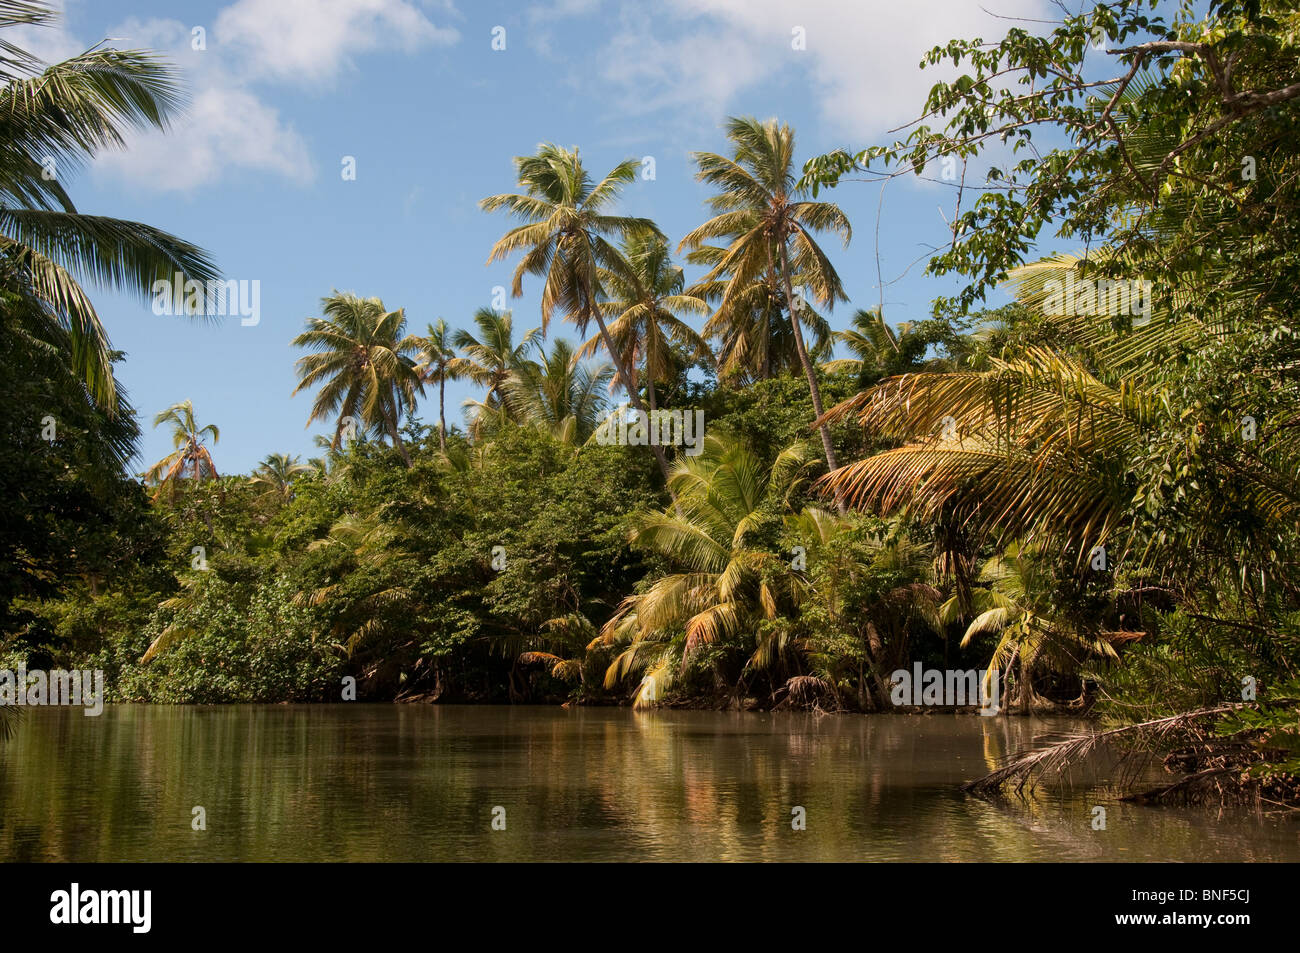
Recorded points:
(1087, 498)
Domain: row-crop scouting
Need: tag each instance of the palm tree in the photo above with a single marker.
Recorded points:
(275, 475)
(191, 455)
(56, 117)
(493, 355)
(365, 363)
(755, 341)
(562, 394)
(565, 241)
(724, 583)
(769, 224)
(1034, 447)
(643, 297)
(882, 351)
(438, 363)
(1016, 607)
(369, 595)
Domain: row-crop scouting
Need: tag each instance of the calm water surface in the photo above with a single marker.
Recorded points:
(391, 782)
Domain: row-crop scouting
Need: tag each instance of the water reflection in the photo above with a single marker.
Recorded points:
(419, 783)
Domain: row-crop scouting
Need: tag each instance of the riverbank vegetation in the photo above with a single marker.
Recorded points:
(1090, 492)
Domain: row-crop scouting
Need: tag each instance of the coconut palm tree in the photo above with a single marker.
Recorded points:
(276, 473)
(643, 297)
(881, 351)
(755, 341)
(565, 240)
(493, 355)
(191, 458)
(54, 118)
(723, 583)
(437, 364)
(562, 394)
(364, 362)
(769, 226)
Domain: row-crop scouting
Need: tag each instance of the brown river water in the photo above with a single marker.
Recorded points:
(440, 783)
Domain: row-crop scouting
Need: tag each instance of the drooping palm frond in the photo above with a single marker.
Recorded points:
(53, 118)
(723, 584)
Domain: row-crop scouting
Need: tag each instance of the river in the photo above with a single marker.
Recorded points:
(436, 783)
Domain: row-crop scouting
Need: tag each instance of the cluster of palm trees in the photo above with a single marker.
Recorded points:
(614, 272)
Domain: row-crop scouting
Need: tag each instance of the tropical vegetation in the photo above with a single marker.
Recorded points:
(1097, 505)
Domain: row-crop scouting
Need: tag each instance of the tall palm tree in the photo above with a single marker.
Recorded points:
(493, 355)
(439, 363)
(191, 456)
(755, 341)
(276, 473)
(724, 580)
(365, 363)
(565, 241)
(561, 394)
(644, 295)
(768, 223)
(55, 118)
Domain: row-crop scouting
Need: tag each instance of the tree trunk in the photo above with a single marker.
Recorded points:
(628, 385)
(813, 387)
(442, 413)
(397, 442)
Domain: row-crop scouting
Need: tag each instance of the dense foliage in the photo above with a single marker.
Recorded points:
(1089, 495)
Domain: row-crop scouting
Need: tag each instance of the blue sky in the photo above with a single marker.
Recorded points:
(433, 115)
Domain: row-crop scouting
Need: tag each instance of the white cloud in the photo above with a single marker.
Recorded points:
(230, 126)
(226, 128)
(862, 57)
(307, 41)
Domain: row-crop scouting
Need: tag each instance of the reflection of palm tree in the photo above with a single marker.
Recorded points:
(769, 224)
(438, 364)
(564, 240)
(560, 394)
(54, 120)
(364, 362)
(190, 458)
(725, 582)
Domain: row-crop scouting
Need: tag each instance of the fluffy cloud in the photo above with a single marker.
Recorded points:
(861, 56)
(307, 41)
(229, 126)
